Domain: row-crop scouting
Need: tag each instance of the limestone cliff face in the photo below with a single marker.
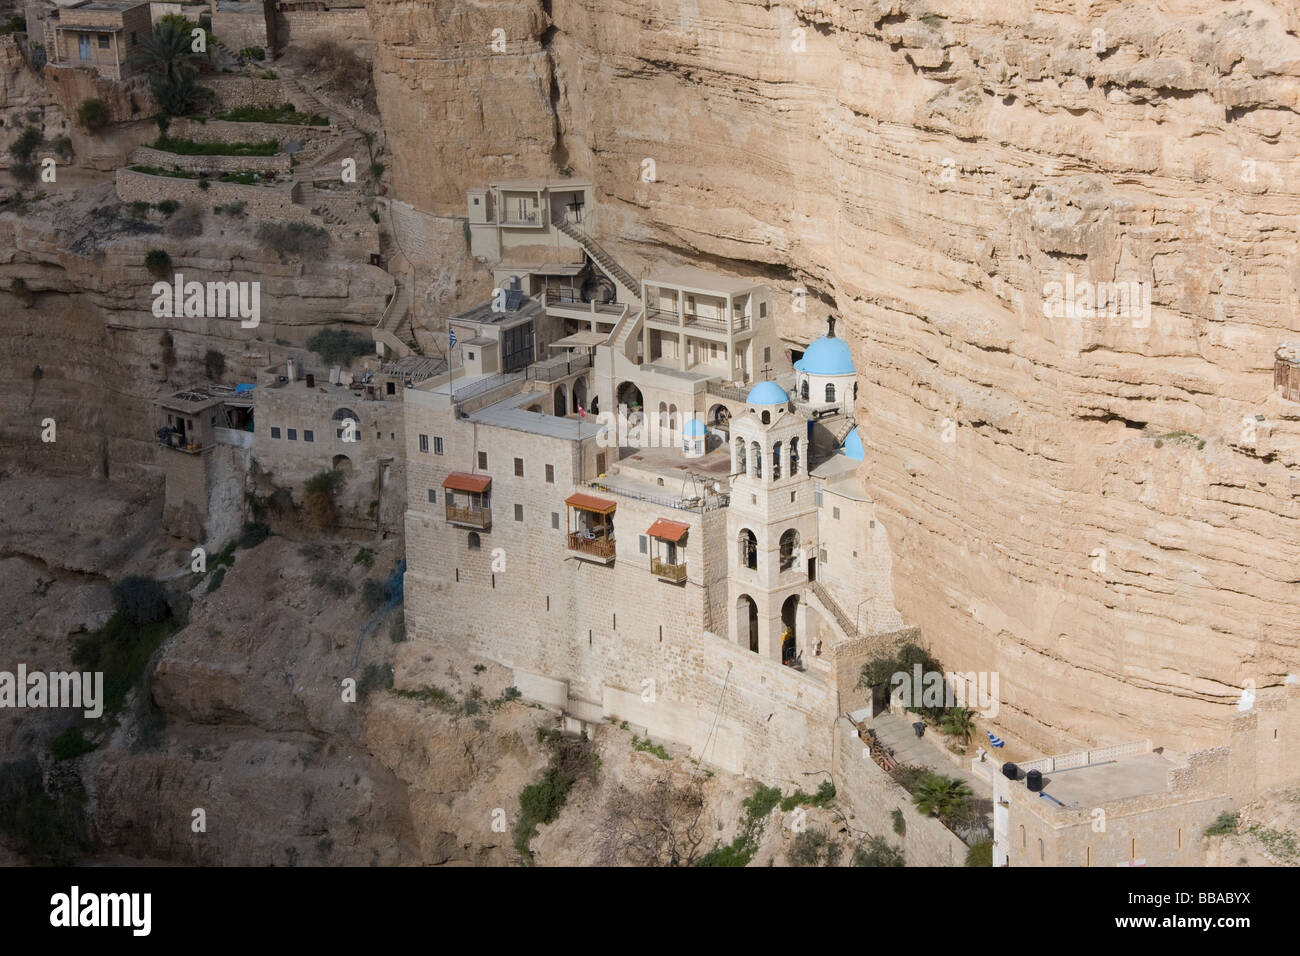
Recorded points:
(927, 171)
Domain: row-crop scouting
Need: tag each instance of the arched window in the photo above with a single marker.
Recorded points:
(740, 465)
(803, 389)
(756, 460)
(776, 461)
(789, 545)
(794, 456)
(830, 391)
(473, 544)
(767, 417)
(748, 550)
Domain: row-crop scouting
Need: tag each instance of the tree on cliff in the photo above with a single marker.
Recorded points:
(172, 65)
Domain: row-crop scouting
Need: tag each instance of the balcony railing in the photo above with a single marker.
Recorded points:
(597, 547)
(668, 571)
(554, 369)
(469, 517)
(716, 323)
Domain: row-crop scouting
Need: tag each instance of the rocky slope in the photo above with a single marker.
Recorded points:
(926, 170)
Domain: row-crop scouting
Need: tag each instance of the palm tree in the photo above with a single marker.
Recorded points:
(169, 59)
(936, 795)
(958, 722)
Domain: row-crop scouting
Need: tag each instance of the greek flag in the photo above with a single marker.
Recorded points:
(451, 334)
(995, 741)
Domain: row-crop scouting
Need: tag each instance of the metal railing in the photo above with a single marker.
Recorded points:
(556, 297)
(557, 368)
(474, 517)
(600, 547)
(714, 387)
(848, 627)
(485, 385)
(668, 571)
(705, 503)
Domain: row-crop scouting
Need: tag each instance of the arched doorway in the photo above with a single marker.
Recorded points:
(561, 403)
(579, 395)
(747, 622)
(719, 416)
(629, 395)
(789, 644)
(342, 463)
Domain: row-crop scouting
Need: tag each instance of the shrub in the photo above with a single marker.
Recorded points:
(1225, 824)
(365, 557)
(571, 760)
(189, 147)
(252, 53)
(92, 116)
(321, 488)
(374, 677)
(138, 209)
(167, 206)
(158, 262)
(253, 534)
(294, 238)
(376, 170)
(14, 23)
(814, 848)
(339, 346)
(876, 851)
(70, 744)
(343, 70)
(825, 794)
(214, 363)
(141, 600)
(372, 594)
(337, 585)
(215, 581)
(742, 849)
(23, 148)
(900, 823)
(234, 209)
(980, 854)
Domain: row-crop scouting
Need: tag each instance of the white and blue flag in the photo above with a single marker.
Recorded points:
(995, 741)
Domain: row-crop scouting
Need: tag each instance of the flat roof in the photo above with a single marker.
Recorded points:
(692, 278)
(112, 5)
(580, 340)
(545, 269)
(510, 414)
(1095, 784)
(483, 313)
(541, 182)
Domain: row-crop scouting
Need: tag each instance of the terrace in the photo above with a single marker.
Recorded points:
(469, 500)
(590, 525)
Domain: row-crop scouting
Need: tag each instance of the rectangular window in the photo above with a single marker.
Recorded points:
(308, 435)
(275, 431)
(391, 388)
(836, 513)
(817, 496)
(437, 445)
(555, 519)
(762, 310)
(645, 544)
(550, 474)
(767, 354)
(293, 434)
(519, 467)
(133, 38)
(519, 512)
(792, 496)
(424, 444)
(451, 497)
(103, 42)
(482, 461)
(433, 496)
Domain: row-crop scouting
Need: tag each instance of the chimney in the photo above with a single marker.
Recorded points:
(830, 322)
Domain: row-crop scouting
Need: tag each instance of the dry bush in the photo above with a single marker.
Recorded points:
(659, 825)
(345, 72)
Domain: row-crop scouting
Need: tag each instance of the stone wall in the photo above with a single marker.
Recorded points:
(227, 131)
(185, 501)
(349, 27)
(233, 91)
(238, 30)
(849, 656)
(161, 159)
(73, 85)
(874, 795)
(266, 202)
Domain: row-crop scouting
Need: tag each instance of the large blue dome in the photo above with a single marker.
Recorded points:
(767, 393)
(829, 355)
(853, 446)
(693, 428)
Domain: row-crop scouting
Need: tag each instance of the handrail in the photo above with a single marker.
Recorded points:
(849, 629)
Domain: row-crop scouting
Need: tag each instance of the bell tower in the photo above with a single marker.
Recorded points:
(771, 524)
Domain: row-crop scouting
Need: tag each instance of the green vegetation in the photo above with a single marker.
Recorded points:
(339, 346)
(158, 262)
(1182, 438)
(980, 854)
(1278, 843)
(167, 57)
(233, 209)
(814, 848)
(876, 851)
(1226, 823)
(252, 53)
(14, 23)
(70, 744)
(189, 147)
(92, 116)
(253, 534)
(373, 594)
(23, 150)
(287, 114)
(825, 794)
(47, 829)
(374, 677)
(167, 206)
(321, 489)
(958, 722)
(364, 557)
(158, 171)
(944, 797)
(741, 850)
(900, 822)
(122, 647)
(646, 747)
(572, 760)
(214, 363)
(879, 672)
(248, 179)
(215, 581)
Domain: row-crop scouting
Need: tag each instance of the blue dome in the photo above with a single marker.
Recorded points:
(767, 393)
(853, 446)
(827, 356)
(693, 428)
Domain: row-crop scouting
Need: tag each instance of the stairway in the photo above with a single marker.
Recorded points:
(842, 430)
(602, 259)
(848, 627)
(396, 315)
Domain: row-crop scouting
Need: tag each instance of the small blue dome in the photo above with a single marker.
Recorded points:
(767, 393)
(694, 428)
(828, 355)
(853, 446)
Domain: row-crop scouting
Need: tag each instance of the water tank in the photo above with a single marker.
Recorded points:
(1034, 780)
(1010, 771)
(289, 370)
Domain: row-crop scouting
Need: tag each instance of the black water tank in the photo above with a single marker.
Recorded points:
(1010, 771)
(1034, 780)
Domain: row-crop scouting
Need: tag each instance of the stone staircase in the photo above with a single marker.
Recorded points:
(602, 259)
(848, 627)
(841, 430)
(389, 330)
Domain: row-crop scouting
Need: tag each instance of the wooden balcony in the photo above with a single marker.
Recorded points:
(480, 518)
(668, 572)
(601, 549)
